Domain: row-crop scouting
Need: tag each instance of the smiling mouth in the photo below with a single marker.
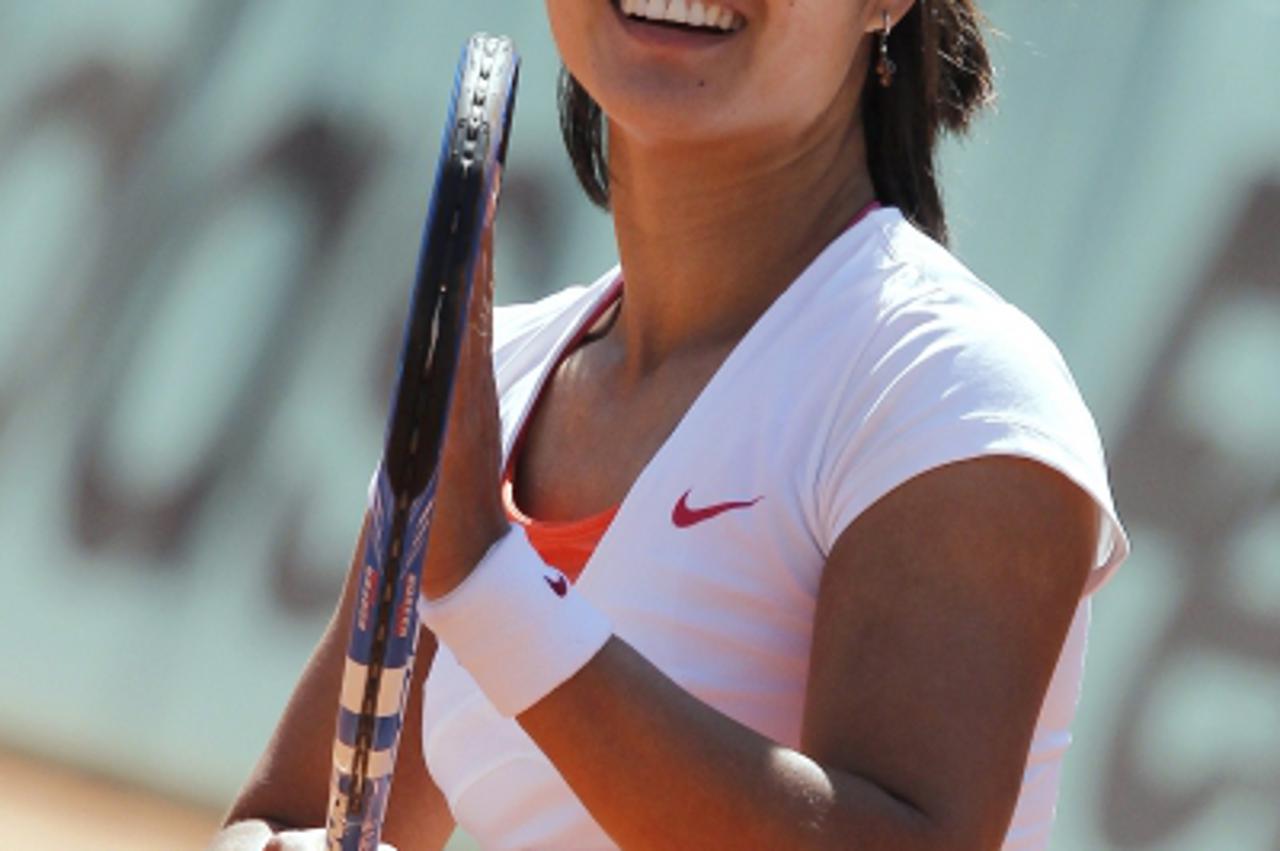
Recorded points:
(692, 16)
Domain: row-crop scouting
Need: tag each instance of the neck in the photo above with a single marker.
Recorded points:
(709, 237)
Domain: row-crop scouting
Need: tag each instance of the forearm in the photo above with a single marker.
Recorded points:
(658, 768)
(288, 789)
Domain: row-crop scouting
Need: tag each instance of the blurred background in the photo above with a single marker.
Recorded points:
(209, 214)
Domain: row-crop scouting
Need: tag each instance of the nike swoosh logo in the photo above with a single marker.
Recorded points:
(559, 584)
(684, 516)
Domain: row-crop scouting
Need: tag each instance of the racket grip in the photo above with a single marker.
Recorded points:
(362, 834)
(370, 716)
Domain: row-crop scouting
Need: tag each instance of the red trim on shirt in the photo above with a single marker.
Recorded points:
(565, 545)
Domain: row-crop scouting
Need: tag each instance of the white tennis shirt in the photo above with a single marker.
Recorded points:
(884, 359)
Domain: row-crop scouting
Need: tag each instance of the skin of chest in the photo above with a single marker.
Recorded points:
(594, 429)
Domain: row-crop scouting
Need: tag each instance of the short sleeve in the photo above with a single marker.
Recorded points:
(947, 378)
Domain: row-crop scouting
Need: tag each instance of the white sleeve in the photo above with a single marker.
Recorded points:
(945, 380)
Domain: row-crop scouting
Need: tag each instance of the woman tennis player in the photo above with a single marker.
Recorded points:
(797, 519)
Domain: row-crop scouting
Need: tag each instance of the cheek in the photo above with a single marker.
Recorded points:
(567, 19)
(812, 60)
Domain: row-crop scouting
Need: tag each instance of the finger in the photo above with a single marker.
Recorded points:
(475, 367)
(481, 307)
(306, 840)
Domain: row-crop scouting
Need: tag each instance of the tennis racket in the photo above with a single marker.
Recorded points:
(384, 627)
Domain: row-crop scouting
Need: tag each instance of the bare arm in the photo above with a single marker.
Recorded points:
(940, 619)
(288, 788)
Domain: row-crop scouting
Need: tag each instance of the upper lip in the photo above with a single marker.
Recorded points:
(732, 7)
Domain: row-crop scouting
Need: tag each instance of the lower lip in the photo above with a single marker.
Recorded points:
(660, 36)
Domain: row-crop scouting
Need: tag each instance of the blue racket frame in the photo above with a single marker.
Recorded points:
(384, 628)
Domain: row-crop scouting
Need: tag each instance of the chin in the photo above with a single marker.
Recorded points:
(661, 111)
(670, 124)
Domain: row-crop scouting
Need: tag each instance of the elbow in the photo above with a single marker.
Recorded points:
(903, 825)
(928, 836)
(965, 829)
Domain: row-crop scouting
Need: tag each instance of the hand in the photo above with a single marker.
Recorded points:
(469, 517)
(258, 835)
(305, 840)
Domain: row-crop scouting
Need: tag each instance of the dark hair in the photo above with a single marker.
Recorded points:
(943, 78)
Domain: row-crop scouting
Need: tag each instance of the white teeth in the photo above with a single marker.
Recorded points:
(693, 13)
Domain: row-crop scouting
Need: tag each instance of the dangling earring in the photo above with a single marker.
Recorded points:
(886, 67)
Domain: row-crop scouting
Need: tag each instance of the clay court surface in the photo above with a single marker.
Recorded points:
(48, 806)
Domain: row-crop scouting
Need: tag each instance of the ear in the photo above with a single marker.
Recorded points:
(877, 9)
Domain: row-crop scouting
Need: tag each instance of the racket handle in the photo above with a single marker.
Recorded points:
(352, 835)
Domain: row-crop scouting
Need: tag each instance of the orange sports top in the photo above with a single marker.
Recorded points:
(565, 545)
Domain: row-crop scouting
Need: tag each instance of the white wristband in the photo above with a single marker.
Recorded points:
(516, 625)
